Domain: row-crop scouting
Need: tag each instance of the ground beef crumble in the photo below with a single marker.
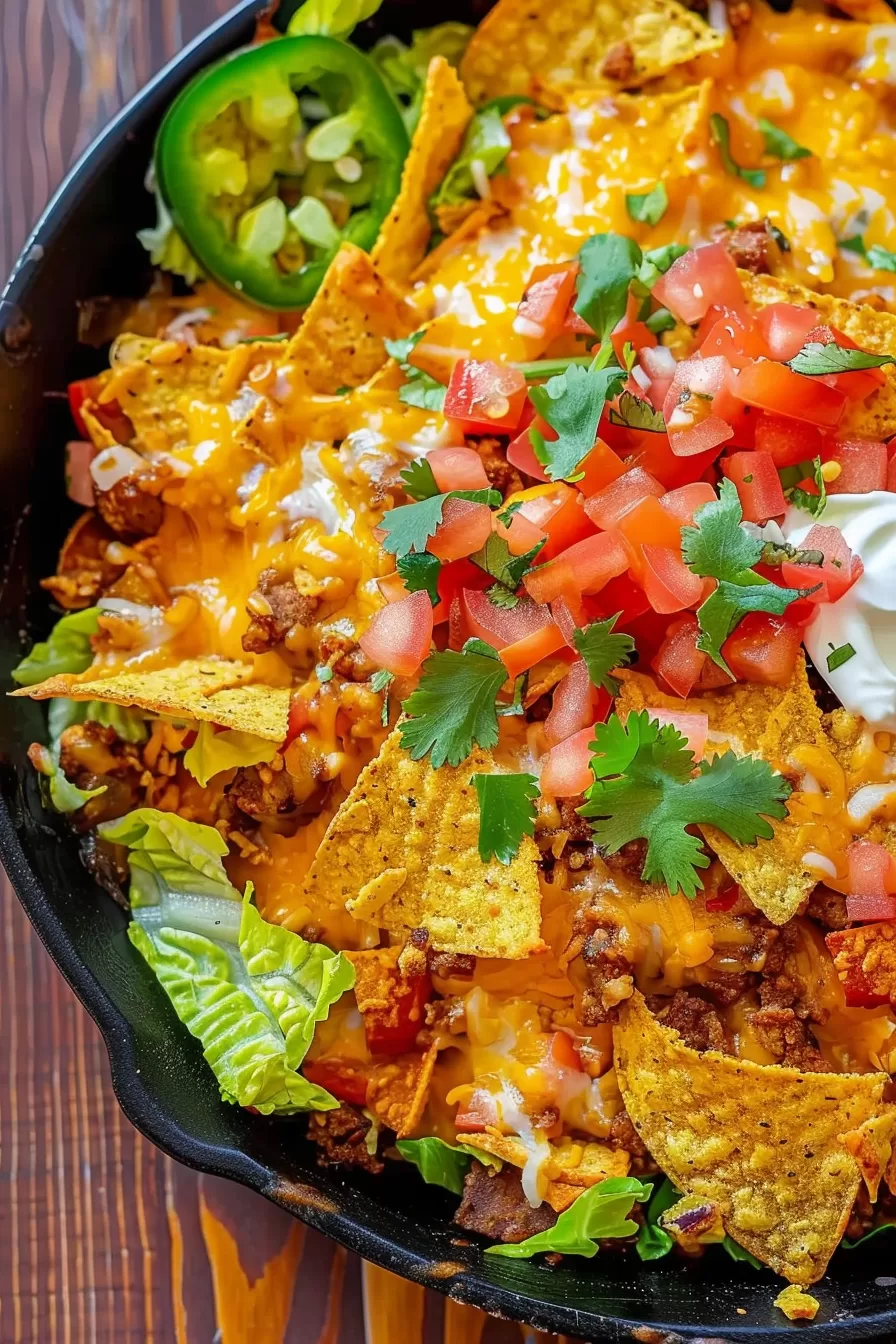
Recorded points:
(341, 1138)
(494, 1205)
(275, 608)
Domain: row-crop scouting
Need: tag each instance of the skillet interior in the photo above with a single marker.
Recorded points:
(85, 246)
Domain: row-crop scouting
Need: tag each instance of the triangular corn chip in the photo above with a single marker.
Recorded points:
(874, 418)
(765, 1143)
(569, 1166)
(527, 46)
(768, 721)
(406, 230)
(340, 341)
(402, 852)
(397, 1091)
(211, 690)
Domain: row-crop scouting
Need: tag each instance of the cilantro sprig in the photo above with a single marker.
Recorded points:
(572, 404)
(454, 706)
(645, 788)
(506, 814)
(507, 570)
(779, 144)
(409, 527)
(717, 547)
(816, 359)
(649, 207)
(721, 136)
(418, 480)
(602, 650)
(608, 263)
(879, 258)
(420, 389)
(421, 571)
(794, 493)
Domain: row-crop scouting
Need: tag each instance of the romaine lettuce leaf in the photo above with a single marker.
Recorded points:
(66, 649)
(601, 1211)
(441, 1163)
(213, 752)
(486, 143)
(129, 724)
(403, 68)
(65, 796)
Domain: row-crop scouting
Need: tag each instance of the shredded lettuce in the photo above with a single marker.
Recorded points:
(213, 752)
(66, 649)
(601, 1211)
(445, 1164)
(334, 18)
(251, 992)
(485, 143)
(167, 248)
(128, 724)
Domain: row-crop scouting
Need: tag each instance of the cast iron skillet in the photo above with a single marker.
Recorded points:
(84, 246)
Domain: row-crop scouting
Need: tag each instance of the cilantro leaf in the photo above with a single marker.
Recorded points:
(881, 258)
(421, 389)
(721, 136)
(602, 651)
(608, 263)
(717, 547)
(637, 414)
(648, 208)
(495, 558)
(439, 1163)
(506, 814)
(779, 144)
(409, 527)
(421, 572)
(418, 480)
(656, 262)
(454, 707)
(572, 404)
(804, 499)
(598, 1213)
(815, 359)
(644, 788)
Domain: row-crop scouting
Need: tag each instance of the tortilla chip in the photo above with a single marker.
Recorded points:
(211, 690)
(382, 990)
(340, 341)
(865, 961)
(872, 1147)
(796, 1304)
(771, 722)
(403, 851)
(444, 117)
(571, 1167)
(763, 1142)
(397, 1091)
(874, 418)
(471, 224)
(525, 46)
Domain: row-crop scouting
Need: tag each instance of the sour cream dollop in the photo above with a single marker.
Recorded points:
(865, 617)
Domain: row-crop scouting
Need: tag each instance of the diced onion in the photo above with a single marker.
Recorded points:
(112, 464)
(192, 317)
(717, 15)
(819, 863)
(658, 361)
(641, 378)
(870, 799)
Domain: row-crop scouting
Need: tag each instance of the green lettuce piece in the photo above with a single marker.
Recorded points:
(253, 1006)
(403, 68)
(445, 1164)
(167, 248)
(213, 752)
(486, 142)
(66, 649)
(176, 868)
(128, 724)
(334, 18)
(875, 1232)
(64, 796)
(654, 1241)
(601, 1211)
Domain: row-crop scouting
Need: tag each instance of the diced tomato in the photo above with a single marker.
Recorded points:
(693, 727)
(519, 533)
(775, 387)
(554, 580)
(477, 1112)
(595, 561)
(502, 626)
(399, 636)
(863, 467)
(392, 1029)
(452, 580)
(600, 468)
(669, 584)
(84, 389)
(763, 649)
(526, 652)
(484, 397)
(857, 384)
(392, 587)
(698, 405)
(347, 1079)
(465, 527)
(566, 771)
(701, 277)
(736, 338)
(785, 328)
(647, 522)
(569, 616)
(839, 571)
(871, 870)
(561, 1052)
(725, 898)
(298, 719)
(679, 662)
(457, 469)
(684, 502)
(636, 334)
(559, 512)
(542, 309)
(79, 486)
(520, 451)
(787, 441)
(608, 505)
(572, 706)
(624, 595)
(758, 485)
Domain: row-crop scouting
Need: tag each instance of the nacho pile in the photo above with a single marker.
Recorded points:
(477, 635)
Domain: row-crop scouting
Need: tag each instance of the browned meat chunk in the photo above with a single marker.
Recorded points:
(501, 474)
(727, 987)
(753, 246)
(740, 13)
(83, 572)
(494, 1206)
(787, 1037)
(619, 63)
(129, 509)
(340, 1135)
(624, 1135)
(260, 791)
(342, 653)
(828, 908)
(275, 608)
(695, 1020)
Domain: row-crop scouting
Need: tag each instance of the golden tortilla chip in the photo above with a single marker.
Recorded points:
(769, 721)
(444, 117)
(765, 1143)
(525, 46)
(402, 851)
(570, 1168)
(385, 993)
(397, 1091)
(470, 224)
(796, 1304)
(874, 418)
(211, 690)
(340, 341)
(872, 1147)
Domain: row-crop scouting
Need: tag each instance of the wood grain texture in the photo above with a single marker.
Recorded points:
(104, 1240)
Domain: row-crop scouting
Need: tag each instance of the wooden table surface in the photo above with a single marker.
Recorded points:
(103, 1239)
